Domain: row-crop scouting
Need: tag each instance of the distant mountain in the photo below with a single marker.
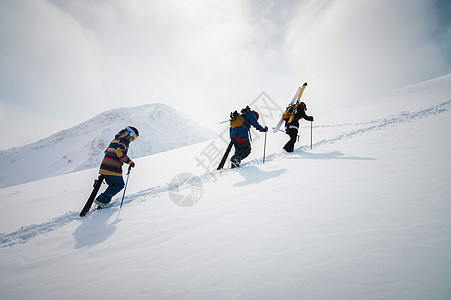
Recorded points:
(364, 214)
(161, 128)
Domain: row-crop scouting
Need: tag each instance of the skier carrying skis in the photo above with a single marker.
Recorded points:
(239, 133)
(292, 128)
(111, 167)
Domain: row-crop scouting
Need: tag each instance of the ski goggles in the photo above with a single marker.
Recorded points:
(132, 134)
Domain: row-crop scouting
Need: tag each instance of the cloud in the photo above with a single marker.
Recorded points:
(65, 61)
(351, 50)
(47, 57)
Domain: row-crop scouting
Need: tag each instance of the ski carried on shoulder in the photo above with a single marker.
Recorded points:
(96, 187)
(296, 99)
(297, 103)
(226, 154)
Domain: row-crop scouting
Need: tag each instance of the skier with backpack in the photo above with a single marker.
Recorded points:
(291, 116)
(111, 167)
(240, 125)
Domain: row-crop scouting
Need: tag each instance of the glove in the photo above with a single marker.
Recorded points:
(311, 119)
(266, 128)
(132, 164)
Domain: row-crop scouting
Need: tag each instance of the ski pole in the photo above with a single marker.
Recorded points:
(280, 130)
(311, 133)
(264, 149)
(128, 175)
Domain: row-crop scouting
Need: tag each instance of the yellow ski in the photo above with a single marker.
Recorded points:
(297, 102)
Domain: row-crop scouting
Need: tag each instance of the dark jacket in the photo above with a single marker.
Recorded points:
(242, 132)
(300, 113)
(116, 155)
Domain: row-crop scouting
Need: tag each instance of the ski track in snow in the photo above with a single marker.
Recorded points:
(403, 117)
(24, 234)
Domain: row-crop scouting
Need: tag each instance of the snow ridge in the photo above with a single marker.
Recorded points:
(403, 117)
(24, 234)
(365, 214)
(81, 147)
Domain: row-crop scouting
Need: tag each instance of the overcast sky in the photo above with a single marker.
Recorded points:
(62, 62)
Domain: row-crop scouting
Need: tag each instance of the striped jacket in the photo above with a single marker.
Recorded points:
(116, 155)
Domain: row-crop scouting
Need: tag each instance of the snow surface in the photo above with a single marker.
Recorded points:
(365, 214)
(81, 147)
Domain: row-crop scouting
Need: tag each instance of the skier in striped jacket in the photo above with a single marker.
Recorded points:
(111, 167)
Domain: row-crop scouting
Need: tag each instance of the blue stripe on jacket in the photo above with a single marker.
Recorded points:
(112, 163)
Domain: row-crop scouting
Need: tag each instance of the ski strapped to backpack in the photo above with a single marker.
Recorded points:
(293, 102)
(289, 111)
(297, 103)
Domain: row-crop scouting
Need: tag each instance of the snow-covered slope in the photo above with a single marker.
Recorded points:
(81, 147)
(365, 214)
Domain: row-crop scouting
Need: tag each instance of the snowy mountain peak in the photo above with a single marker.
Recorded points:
(364, 214)
(161, 128)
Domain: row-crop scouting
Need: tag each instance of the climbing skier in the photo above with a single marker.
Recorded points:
(292, 128)
(111, 167)
(239, 133)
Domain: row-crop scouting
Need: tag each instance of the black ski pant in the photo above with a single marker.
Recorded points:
(242, 150)
(293, 133)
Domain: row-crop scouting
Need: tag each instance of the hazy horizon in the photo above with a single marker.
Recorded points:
(65, 62)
